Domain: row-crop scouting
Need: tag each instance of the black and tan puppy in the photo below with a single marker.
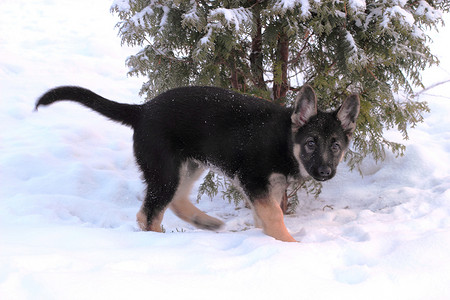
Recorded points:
(260, 144)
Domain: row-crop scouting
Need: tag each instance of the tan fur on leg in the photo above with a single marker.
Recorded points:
(269, 212)
(143, 222)
(271, 216)
(186, 211)
(256, 220)
(182, 206)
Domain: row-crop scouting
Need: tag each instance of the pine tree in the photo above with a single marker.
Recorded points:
(270, 48)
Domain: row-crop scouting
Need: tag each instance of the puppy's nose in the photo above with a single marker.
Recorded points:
(324, 171)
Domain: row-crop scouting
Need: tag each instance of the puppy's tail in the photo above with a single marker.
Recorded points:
(127, 114)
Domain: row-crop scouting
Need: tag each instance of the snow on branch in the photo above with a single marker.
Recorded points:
(166, 11)
(399, 13)
(207, 37)
(357, 5)
(192, 17)
(121, 5)
(233, 18)
(425, 9)
(353, 48)
(284, 5)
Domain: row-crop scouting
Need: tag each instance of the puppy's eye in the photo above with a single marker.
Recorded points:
(335, 147)
(310, 145)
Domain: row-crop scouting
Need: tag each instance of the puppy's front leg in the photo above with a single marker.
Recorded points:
(269, 212)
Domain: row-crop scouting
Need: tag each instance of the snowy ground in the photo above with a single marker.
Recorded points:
(69, 191)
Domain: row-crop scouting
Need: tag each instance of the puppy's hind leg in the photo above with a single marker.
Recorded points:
(182, 206)
(162, 183)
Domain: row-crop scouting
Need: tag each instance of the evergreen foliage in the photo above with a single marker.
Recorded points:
(270, 48)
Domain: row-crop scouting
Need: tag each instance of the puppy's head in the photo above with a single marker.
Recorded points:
(321, 139)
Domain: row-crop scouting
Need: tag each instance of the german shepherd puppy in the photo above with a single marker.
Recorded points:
(260, 144)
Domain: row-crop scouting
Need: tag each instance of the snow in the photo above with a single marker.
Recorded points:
(285, 5)
(358, 5)
(191, 16)
(407, 16)
(353, 47)
(121, 5)
(234, 17)
(207, 37)
(69, 192)
(395, 12)
(425, 9)
(139, 17)
(165, 16)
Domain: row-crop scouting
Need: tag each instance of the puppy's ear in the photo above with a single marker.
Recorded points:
(305, 106)
(348, 113)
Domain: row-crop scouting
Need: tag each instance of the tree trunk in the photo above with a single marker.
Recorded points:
(284, 202)
(281, 84)
(234, 74)
(234, 79)
(256, 56)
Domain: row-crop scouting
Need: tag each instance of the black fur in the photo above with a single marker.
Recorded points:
(126, 114)
(246, 137)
